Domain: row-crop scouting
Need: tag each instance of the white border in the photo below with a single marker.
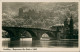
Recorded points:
(41, 49)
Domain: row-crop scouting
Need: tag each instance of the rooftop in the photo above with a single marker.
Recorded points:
(59, 25)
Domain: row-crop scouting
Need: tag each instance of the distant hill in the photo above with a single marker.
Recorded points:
(39, 15)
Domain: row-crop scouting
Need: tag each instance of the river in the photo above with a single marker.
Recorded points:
(28, 42)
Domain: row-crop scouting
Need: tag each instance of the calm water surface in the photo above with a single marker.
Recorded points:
(27, 42)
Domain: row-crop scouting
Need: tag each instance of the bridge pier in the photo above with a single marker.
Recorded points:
(14, 36)
(14, 39)
(53, 38)
(35, 38)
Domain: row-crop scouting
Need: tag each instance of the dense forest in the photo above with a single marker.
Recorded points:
(39, 15)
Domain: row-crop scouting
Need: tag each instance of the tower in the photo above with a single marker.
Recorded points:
(66, 23)
(66, 28)
(71, 26)
(20, 12)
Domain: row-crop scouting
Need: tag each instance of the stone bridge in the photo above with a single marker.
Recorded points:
(36, 33)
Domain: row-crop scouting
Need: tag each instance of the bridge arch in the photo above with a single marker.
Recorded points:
(50, 35)
(33, 34)
(13, 34)
(9, 33)
(5, 34)
(45, 35)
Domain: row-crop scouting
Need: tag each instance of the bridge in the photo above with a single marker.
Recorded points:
(36, 33)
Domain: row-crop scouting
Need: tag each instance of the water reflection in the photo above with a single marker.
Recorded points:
(36, 43)
(61, 43)
(14, 43)
(40, 43)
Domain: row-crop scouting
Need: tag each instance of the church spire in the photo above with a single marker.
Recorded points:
(71, 25)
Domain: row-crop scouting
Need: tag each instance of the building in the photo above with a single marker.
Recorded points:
(60, 26)
(67, 30)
